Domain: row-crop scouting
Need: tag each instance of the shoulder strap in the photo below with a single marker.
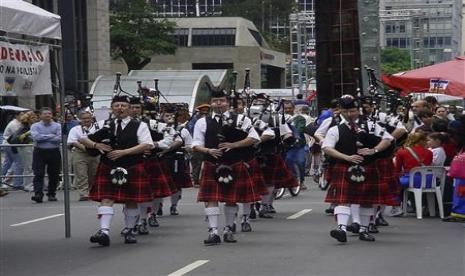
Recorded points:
(410, 150)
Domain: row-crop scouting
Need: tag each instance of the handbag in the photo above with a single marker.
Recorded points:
(457, 166)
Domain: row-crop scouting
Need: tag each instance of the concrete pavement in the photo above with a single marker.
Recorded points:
(278, 246)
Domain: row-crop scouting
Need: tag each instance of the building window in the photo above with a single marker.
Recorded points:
(388, 29)
(257, 36)
(180, 37)
(214, 37)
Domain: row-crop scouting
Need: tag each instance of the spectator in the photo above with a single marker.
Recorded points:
(452, 112)
(413, 154)
(70, 121)
(84, 165)
(300, 100)
(12, 158)
(435, 142)
(426, 118)
(414, 122)
(46, 135)
(23, 136)
(441, 113)
(432, 103)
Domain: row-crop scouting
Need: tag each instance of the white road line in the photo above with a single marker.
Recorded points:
(36, 220)
(299, 214)
(189, 268)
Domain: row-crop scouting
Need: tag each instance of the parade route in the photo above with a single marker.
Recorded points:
(33, 243)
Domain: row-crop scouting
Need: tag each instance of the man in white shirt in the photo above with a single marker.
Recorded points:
(121, 175)
(12, 158)
(226, 140)
(84, 165)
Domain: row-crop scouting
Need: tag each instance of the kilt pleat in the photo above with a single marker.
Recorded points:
(159, 178)
(182, 177)
(276, 173)
(378, 188)
(243, 190)
(137, 189)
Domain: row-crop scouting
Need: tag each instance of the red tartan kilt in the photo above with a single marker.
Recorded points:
(257, 177)
(159, 178)
(243, 189)
(137, 189)
(277, 174)
(377, 188)
(182, 179)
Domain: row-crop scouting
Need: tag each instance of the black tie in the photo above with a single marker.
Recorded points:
(353, 126)
(219, 119)
(119, 128)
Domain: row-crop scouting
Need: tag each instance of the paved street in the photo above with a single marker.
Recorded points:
(279, 246)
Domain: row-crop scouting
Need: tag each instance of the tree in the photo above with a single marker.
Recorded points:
(136, 34)
(394, 60)
(262, 13)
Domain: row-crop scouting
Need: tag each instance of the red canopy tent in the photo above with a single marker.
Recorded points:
(444, 78)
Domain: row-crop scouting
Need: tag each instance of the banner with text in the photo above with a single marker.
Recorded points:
(24, 70)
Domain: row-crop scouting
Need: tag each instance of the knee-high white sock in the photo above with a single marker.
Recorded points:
(131, 217)
(365, 215)
(245, 212)
(106, 214)
(270, 191)
(342, 214)
(229, 214)
(143, 207)
(175, 198)
(156, 204)
(213, 214)
(267, 199)
(355, 212)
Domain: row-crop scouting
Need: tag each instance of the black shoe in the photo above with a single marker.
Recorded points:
(380, 221)
(173, 211)
(101, 238)
(339, 234)
(253, 214)
(257, 206)
(271, 209)
(142, 228)
(264, 214)
(233, 228)
(125, 231)
(372, 228)
(228, 236)
(153, 222)
(329, 211)
(160, 210)
(38, 198)
(52, 198)
(213, 239)
(246, 227)
(354, 228)
(365, 236)
(130, 238)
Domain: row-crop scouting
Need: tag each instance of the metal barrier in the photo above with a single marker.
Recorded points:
(65, 177)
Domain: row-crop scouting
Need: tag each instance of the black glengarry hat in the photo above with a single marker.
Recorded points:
(120, 98)
(348, 102)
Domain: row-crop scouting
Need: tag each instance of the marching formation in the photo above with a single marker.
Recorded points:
(241, 150)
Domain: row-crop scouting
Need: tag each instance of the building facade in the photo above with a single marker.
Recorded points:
(431, 30)
(223, 43)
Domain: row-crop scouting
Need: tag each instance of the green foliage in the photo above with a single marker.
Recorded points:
(394, 60)
(261, 13)
(136, 34)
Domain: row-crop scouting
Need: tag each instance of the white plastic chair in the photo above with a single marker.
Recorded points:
(438, 181)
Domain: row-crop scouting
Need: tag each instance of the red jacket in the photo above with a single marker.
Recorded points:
(405, 161)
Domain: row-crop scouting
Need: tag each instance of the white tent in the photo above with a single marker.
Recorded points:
(24, 23)
(20, 17)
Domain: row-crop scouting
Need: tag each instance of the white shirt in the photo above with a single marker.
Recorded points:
(143, 132)
(332, 137)
(78, 132)
(200, 129)
(439, 156)
(186, 137)
(324, 127)
(10, 129)
(168, 134)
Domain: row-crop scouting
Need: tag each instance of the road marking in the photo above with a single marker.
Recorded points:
(189, 268)
(299, 214)
(36, 220)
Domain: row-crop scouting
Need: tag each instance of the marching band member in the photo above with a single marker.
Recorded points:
(121, 175)
(226, 139)
(357, 177)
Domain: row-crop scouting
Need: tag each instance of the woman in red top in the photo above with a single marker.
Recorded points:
(405, 161)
